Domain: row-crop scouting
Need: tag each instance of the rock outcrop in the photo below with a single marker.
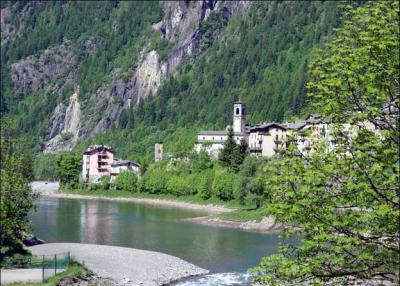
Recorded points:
(64, 128)
(57, 67)
(57, 63)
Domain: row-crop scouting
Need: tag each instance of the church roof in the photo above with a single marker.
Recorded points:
(295, 125)
(220, 133)
(223, 132)
(267, 125)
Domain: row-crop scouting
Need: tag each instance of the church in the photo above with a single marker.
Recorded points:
(213, 141)
(263, 139)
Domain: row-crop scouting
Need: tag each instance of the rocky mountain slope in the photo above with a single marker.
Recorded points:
(67, 77)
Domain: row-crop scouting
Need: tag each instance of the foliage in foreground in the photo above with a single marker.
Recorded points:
(346, 201)
(16, 198)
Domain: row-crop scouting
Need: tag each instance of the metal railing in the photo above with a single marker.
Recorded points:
(54, 264)
(50, 265)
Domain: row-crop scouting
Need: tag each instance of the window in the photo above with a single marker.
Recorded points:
(237, 110)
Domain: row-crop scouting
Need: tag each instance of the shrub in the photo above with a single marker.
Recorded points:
(177, 185)
(104, 183)
(126, 181)
(17, 260)
(203, 184)
(222, 186)
(65, 136)
(155, 181)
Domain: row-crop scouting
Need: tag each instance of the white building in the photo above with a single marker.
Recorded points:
(213, 141)
(119, 166)
(267, 138)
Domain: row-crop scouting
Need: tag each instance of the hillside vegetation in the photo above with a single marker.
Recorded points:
(260, 56)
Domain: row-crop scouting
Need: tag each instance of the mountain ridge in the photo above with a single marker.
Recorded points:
(146, 63)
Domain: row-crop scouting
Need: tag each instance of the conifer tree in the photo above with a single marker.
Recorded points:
(226, 154)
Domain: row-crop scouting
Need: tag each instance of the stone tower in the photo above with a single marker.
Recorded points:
(239, 117)
(158, 151)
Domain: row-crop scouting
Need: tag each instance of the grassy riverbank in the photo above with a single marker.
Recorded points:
(187, 198)
(239, 212)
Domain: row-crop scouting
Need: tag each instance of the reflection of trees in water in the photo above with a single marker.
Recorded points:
(153, 228)
(96, 221)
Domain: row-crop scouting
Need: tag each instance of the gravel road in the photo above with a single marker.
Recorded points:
(126, 266)
(20, 275)
(45, 186)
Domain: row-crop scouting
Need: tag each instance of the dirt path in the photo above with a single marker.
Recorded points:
(20, 275)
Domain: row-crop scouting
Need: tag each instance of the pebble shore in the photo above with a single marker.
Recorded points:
(125, 266)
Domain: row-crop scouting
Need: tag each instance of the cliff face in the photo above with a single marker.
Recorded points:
(56, 68)
(72, 70)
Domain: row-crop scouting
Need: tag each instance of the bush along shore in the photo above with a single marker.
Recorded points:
(216, 212)
(231, 188)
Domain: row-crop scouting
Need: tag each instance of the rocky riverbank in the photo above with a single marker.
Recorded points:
(266, 225)
(125, 266)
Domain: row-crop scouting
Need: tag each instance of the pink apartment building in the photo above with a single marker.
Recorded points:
(97, 160)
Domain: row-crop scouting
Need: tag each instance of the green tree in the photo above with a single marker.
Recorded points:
(223, 185)
(239, 154)
(203, 184)
(226, 154)
(69, 167)
(45, 167)
(16, 197)
(177, 185)
(104, 183)
(126, 181)
(345, 201)
(200, 161)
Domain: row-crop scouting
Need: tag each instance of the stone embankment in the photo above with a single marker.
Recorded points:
(125, 266)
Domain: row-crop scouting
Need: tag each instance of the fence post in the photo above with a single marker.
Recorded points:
(55, 264)
(43, 269)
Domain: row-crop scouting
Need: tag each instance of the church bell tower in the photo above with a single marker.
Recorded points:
(239, 117)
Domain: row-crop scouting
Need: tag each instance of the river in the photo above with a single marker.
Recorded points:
(221, 250)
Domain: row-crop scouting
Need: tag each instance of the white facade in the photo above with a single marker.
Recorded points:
(158, 152)
(239, 117)
(266, 139)
(213, 141)
(123, 165)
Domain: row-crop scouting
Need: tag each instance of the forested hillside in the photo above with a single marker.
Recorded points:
(148, 71)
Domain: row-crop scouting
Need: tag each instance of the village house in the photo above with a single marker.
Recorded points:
(98, 161)
(123, 166)
(265, 139)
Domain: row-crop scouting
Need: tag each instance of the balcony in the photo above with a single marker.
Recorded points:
(103, 168)
(255, 149)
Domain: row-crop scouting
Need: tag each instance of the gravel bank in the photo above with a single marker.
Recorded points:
(125, 266)
(266, 225)
(212, 209)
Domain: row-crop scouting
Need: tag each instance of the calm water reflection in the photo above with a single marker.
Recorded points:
(151, 228)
